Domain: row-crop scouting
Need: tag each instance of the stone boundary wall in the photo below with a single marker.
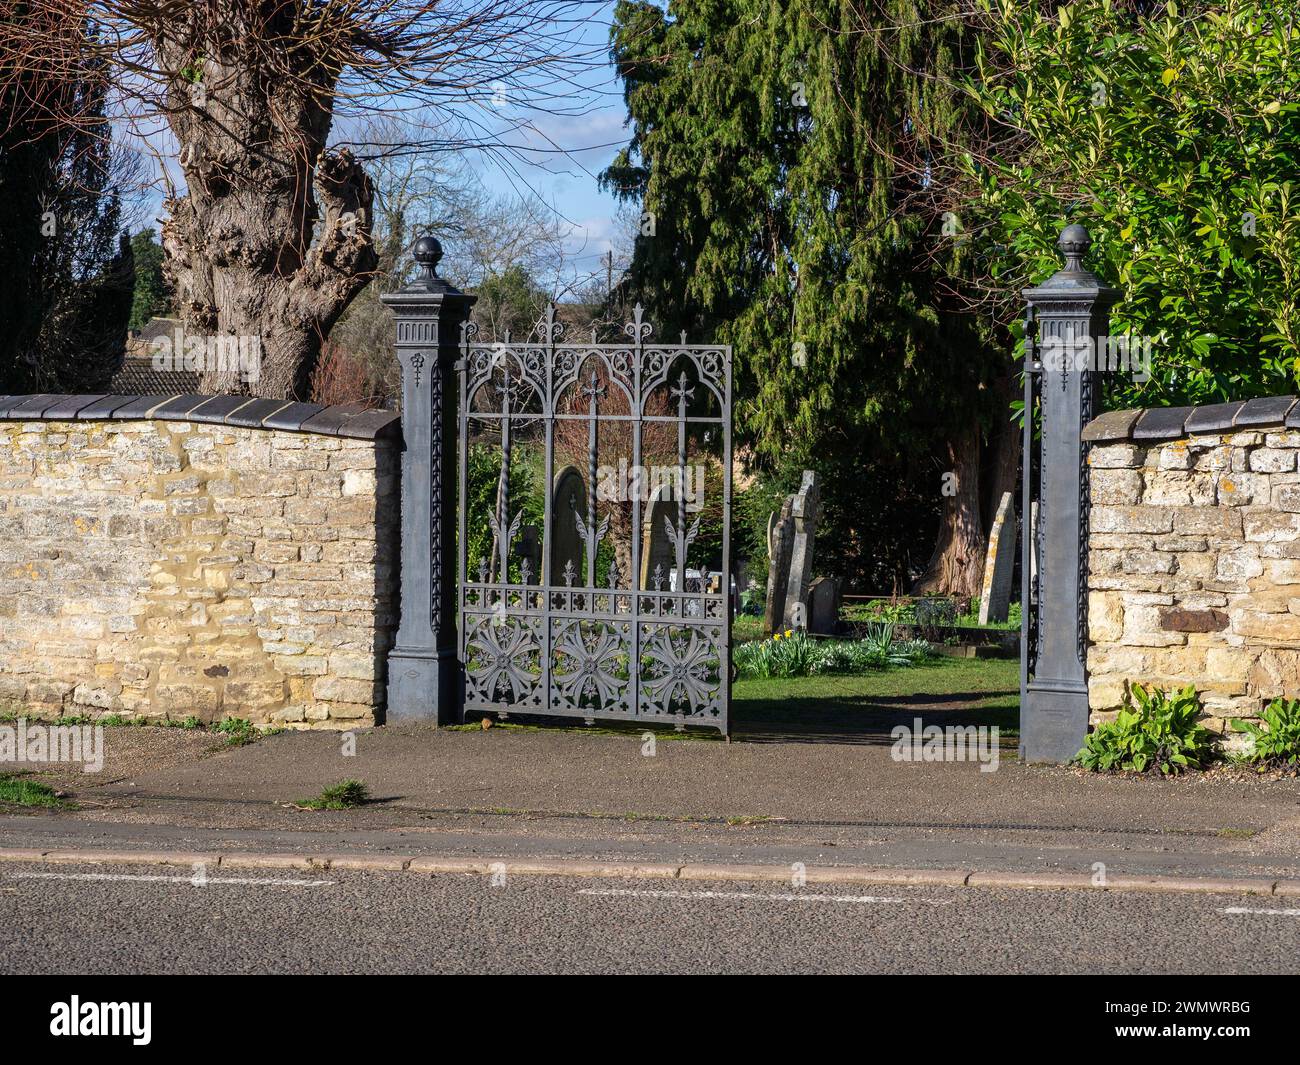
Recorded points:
(207, 556)
(1194, 554)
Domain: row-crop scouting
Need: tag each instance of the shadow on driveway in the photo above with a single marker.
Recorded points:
(850, 720)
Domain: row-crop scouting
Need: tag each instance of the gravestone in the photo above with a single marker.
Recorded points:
(780, 536)
(529, 550)
(804, 511)
(658, 552)
(1033, 541)
(824, 606)
(999, 564)
(570, 492)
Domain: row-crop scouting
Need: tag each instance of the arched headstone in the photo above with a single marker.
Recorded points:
(657, 549)
(568, 494)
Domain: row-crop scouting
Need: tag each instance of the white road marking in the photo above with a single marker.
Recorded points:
(1275, 913)
(195, 881)
(800, 897)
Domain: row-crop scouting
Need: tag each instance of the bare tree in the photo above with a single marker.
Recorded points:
(498, 246)
(272, 236)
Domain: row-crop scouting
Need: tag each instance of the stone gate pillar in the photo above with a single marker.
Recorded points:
(423, 671)
(1072, 311)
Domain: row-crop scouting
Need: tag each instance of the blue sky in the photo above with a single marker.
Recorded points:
(588, 129)
(590, 133)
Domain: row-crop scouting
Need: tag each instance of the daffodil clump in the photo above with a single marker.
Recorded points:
(793, 653)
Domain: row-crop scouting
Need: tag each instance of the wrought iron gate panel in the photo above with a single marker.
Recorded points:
(582, 643)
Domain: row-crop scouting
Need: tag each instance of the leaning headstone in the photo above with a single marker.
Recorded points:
(999, 564)
(568, 495)
(780, 536)
(528, 550)
(658, 552)
(1033, 541)
(805, 510)
(824, 606)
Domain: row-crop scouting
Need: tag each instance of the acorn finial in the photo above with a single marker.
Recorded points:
(1074, 243)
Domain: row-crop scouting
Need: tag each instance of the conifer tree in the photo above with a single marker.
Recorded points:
(784, 153)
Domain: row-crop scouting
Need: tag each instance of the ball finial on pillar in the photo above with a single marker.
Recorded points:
(428, 253)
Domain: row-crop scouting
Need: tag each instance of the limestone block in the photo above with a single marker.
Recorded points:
(1115, 486)
(337, 689)
(1262, 525)
(1149, 562)
(353, 667)
(1272, 460)
(1117, 659)
(1131, 519)
(242, 696)
(181, 700)
(1283, 570)
(1142, 628)
(106, 696)
(1286, 497)
(1239, 566)
(1105, 693)
(1243, 489)
(1266, 628)
(351, 712)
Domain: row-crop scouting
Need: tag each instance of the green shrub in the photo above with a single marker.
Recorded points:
(796, 654)
(935, 610)
(1171, 131)
(753, 599)
(899, 613)
(752, 659)
(1161, 732)
(793, 654)
(1279, 744)
(914, 650)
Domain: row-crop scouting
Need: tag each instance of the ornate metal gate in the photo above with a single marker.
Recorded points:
(621, 610)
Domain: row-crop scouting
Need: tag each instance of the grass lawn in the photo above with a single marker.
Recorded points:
(967, 691)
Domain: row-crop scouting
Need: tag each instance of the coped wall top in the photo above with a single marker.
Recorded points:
(1172, 423)
(350, 420)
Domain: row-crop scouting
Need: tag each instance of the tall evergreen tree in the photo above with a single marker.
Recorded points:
(86, 265)
(152, 297)
(69, 278)
(783, 152)
(28, 149)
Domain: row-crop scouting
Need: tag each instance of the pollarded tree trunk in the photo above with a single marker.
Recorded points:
(957, 566)
(272, 240)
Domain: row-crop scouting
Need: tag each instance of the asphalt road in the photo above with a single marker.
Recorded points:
(150, 919)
